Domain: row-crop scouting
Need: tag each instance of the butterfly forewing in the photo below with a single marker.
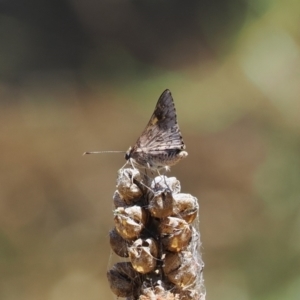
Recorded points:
(162, 131)
(161, 140)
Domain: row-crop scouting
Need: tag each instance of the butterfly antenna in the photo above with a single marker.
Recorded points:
(98, 152)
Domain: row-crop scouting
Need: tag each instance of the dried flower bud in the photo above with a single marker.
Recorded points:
(181, 268)
(130, 221)
(191, 294)
(186, 206)
(176, 234)
(118, 244)
(161, 183)
(122, 279)
(143, 255)
(128, 190)
(161, 204)
(118, 200)
(158, 292)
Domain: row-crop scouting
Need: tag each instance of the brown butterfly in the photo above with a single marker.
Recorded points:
(161, 144)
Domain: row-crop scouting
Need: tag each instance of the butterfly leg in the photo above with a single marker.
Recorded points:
(125, 165)
(132, 163)
(164, 177)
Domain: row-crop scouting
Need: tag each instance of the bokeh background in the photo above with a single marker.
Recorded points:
(85, 75)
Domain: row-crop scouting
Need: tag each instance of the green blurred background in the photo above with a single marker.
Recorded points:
(85, 75)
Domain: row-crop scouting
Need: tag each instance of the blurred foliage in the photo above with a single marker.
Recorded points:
(85, 75)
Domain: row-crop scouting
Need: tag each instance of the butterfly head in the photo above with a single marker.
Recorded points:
(128, 153)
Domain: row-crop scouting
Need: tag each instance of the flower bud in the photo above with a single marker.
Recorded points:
(186, 206)
(118, 244)
(129, 191)
(176, 234)
(122, 279)
(143, 255)
(181, 268)
(161, 204)
(130, 221)
(161, 183)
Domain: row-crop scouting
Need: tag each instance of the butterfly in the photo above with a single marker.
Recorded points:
(161, 144)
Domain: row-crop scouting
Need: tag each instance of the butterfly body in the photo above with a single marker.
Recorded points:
(161, 144)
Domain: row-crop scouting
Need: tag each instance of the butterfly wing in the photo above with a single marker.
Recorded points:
(162, 132)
